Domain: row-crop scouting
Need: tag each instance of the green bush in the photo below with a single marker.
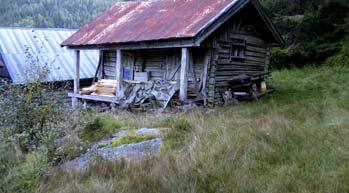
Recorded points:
(342, 58)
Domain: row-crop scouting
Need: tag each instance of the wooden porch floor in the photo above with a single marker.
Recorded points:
(95, 98)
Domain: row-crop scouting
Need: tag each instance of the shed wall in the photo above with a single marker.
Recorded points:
(162, 64)
(254, 61)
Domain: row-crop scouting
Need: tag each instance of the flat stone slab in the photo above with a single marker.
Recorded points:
(147, 131)
(104, 149)
(131, 151)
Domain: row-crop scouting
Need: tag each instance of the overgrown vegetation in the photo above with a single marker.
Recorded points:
(314, 30)
(177, 132)
(295, 140)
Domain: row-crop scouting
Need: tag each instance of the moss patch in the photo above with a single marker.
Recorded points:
(132, 137)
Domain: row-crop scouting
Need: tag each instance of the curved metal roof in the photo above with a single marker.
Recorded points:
(26, 51)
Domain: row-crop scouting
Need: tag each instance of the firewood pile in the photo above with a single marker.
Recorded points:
(101, 88)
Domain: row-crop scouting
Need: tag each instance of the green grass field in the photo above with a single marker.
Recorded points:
(294, 140)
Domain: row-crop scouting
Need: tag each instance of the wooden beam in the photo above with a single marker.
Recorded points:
(176, 43)
(99, 67)
(76, 78)
(205, 75)
(183, 85)
(118, 71)
(94, 98)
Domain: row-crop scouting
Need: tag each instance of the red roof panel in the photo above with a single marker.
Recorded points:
(148, 20)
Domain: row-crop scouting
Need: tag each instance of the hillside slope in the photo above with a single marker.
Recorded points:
(50, 13)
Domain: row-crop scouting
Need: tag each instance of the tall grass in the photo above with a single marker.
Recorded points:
(295, 140)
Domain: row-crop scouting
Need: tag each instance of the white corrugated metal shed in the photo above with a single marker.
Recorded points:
(29, 52)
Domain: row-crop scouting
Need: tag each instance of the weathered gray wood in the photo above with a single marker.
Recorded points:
(76, 78)
(193, 74)
(207, 61)
(95, 98)
(172, 76)
(212, 76)
(118, 73)
(183, 85)
(141, 45)
(98, 71)
(267, 61)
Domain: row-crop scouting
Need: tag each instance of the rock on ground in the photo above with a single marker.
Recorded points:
(104, 149)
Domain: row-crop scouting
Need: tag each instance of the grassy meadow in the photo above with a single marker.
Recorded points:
(294, 140)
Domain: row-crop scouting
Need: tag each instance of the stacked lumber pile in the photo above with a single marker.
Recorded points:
(101, 88)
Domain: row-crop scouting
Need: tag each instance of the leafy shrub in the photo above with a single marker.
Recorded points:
(342, 58)
(71, 148)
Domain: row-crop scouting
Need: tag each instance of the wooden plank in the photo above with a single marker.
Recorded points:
(254, 54)
(189, 42)
(95, 98)
(192, 72)
(250, 39)
(76, 78)
(183, 86)
(100, 62)
(230, 62)
(256, 49)
(118, 73)
(267, 61)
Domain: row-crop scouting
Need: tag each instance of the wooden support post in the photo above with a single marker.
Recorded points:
(205, 75)
(183, 85)
(118, 73)
(76, 78)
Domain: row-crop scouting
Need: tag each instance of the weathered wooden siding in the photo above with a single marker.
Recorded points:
(162, 64)
(224, 67)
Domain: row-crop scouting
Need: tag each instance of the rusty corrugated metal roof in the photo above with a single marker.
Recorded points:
(149, 20)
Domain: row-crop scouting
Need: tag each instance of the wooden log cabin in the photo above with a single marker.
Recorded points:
(198, 44)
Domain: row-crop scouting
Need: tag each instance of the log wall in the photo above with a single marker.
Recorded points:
(254, 61)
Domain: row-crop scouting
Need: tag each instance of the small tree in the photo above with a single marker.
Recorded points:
(33, 115)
